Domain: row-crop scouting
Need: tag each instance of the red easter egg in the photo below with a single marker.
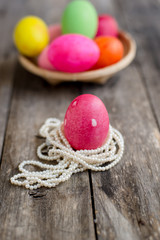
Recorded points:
(107, 26)
(86, 122)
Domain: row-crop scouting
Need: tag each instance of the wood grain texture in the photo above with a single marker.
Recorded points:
(7, 63)
(61, 213)
(64, 212)
(10, 13)
(142, 19)
(127, 200)
(124, 201)
(6, 83)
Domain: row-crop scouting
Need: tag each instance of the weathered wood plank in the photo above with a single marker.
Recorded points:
(127, 200)
(128, 206)
(64, 212)
(142, 18)
(61, 213)
(6, 71)
(10, 13)
(7, 63)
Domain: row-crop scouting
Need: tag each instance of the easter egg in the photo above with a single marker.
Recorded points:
(86, 122)
(54, 31)
(31, 36)
(111, 51)
(73, 53)
(43, 61)
(107, 26)
(80, 17)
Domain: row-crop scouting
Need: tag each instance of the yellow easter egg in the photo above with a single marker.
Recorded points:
(31, 36)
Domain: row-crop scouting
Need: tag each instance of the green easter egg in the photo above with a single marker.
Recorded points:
(80, 16)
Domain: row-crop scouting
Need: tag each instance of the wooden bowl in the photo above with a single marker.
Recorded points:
(97, 76)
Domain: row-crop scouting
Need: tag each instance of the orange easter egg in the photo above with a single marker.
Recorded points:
(111, 51)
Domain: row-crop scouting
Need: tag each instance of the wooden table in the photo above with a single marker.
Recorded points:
(122, 203)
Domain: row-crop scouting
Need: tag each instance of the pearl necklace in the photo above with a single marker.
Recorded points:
(66, 160)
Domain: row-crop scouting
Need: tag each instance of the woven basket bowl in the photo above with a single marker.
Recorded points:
(97, 76)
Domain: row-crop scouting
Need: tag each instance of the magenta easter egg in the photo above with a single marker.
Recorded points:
(86, 122)
(73, 53)
(54, 31)
(43, 61)
(107, 26)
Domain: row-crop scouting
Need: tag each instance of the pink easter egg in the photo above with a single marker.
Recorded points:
(43, 61)
(86, 122)
(73, 53)
(107, 26)
(54, 31)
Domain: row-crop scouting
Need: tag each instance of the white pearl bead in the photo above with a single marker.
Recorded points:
(68, 160)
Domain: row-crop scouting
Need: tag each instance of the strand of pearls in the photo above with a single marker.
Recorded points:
(64, 160)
